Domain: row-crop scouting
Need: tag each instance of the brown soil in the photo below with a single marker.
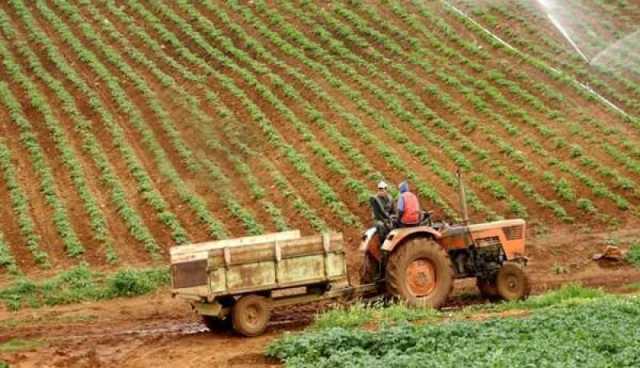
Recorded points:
(159, 331)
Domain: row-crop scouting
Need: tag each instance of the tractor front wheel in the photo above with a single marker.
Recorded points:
(420, 273)
(512, 282)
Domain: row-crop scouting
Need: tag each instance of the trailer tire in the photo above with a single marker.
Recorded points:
(250, 315)
(420, 273)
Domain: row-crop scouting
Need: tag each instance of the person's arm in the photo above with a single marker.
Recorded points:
(400, 206)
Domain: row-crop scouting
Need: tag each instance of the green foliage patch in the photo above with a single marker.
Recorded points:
(633, 255)
(82, 284)
(360, 314)
(595, 333)
(15, 345)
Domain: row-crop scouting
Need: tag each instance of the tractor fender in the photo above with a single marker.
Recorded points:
(370, 243)
(399, 236)
(366, 238)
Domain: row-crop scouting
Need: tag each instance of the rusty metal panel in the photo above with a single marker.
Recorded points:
(251, 275)
(244, 242)
(218, 280)
(189, 274)
(310, 245)
(253, 254)
(273, 264)
(336, 266)
(301, 269)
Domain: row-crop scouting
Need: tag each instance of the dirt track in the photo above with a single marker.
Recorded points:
(159, 331)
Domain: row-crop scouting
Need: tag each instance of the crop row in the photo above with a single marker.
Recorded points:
(214, 227)
(400, 137)
(538, 64)
(357, 186)
(205, 122)
(90, 144)
(516, 112)
(482, 155)
(231, 129)
(223, 112)
(197, 162)
(298, 161)
(317, 118)
(546, 48)
(48, 185)
(470, 123)
(20, 206)
(447, 78)
(392, 46)
(605, 130)
(145, 185)
(7, 260)
(185, 52)
(549, 52)
(68, 154)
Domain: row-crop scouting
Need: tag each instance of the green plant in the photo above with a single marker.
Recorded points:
(559, 269)
(633, 254)
(17, 345)
(80, 284)
(548, 336)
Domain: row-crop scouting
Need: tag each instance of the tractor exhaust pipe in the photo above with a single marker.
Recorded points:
(463, 198)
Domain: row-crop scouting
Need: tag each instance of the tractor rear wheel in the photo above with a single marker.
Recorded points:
(420, 273)
(250, 315)
(512, 282)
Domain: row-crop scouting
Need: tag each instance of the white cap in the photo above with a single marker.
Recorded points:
(382, 185)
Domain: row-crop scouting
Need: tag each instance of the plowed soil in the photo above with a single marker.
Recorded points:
(158, 331)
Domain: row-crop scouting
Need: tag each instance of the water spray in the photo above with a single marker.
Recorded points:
(584, 86)
(548, 7)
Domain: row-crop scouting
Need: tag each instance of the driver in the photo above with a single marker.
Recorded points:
(383, 210)
(385, 198)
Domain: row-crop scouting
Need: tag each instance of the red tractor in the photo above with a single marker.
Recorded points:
(418, 264)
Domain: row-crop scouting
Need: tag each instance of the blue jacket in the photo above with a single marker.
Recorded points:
(404, 187)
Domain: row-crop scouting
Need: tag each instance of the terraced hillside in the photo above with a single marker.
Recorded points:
(129, 126)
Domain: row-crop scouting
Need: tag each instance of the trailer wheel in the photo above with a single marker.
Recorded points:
(512, 282)
(420, 273)
(250, 315)
(215, 324)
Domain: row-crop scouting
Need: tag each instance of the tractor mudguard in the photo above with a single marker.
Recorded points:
(398, 236)
(371, 243)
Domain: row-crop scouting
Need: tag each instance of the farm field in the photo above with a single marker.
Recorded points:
(128, 127)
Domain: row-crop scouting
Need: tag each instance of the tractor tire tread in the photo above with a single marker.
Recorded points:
(397, 259)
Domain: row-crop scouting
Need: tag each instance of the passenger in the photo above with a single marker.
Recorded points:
(408, 206)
